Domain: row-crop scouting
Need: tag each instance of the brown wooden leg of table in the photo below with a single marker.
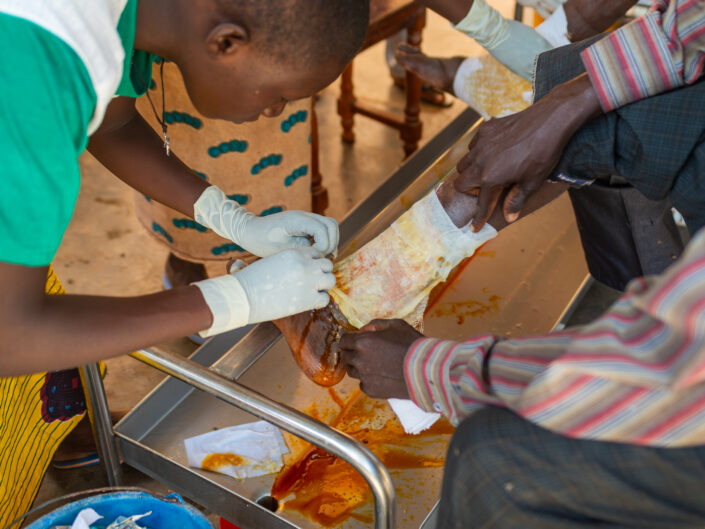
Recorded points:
(345, 104)
(319, 194)
(411, 131)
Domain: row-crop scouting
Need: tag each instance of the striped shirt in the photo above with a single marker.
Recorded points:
(660, 51)
(635, 375)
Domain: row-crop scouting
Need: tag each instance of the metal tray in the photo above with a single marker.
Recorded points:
(522, 282)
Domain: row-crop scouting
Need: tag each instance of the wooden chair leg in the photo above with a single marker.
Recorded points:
(345, 104)
(319, 194)
(411, 131)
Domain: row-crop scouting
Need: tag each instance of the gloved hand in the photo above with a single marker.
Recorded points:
(545, 8)
(510, 42)
(280, 285)
(264, 236)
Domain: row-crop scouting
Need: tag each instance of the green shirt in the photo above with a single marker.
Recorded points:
(46, 103)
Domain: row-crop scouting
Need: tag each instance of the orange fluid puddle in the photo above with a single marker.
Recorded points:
(466, 309)
(327, 490)
(215, 462)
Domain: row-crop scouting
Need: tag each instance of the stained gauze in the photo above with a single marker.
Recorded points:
(490, 88)
(392, 275)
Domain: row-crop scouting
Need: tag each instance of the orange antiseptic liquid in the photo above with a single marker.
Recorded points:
(328, 490)
(217, 461)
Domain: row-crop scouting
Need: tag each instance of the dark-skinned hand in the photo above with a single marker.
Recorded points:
(512, 157)
(587, 18)
(375, 355)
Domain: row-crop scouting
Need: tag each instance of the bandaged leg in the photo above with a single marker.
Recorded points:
(390, 277)
(481, 82)
(490, 88)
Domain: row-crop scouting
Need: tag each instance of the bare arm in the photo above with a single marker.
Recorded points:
(40, 332)
(129, 148)
(452, 10)
(587, 18)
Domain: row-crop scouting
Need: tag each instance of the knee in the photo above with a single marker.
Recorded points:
(483, 445)
(480, 472)
(484, 434)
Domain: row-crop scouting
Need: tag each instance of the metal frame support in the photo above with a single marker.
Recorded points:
(518, 12)
(99, 414)
(337, 443)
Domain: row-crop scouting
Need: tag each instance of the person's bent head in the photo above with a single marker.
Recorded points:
(243, 58)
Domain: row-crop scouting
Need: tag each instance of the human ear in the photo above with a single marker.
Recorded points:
(225, 39)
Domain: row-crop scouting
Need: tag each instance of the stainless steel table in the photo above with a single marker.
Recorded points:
(524, 281)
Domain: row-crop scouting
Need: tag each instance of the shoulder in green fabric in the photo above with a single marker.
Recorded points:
(47, 100)
(137, 68)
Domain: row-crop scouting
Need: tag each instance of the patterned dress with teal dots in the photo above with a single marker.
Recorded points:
(226, 248)
(189, 224)
(296, 117)
(182, 117)
(271, 211)
(298, 173)
(156, 228)
(232, 247)
(227, 146)
(267, 161)
(240, 199)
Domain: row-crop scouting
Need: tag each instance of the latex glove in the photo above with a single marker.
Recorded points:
(510, 42)
(280, 285)
(264, 236)
(545, 8)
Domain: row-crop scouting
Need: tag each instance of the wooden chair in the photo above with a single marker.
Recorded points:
(319, 194)
(388, 17)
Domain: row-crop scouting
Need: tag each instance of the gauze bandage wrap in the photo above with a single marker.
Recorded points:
(510, 42)
(490, 88)
(283, 284)
(392, 275)
(264, 236)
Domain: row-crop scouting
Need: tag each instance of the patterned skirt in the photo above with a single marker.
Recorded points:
(37, 412)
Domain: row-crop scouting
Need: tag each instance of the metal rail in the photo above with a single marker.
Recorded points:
(293, 421)
(97, 407)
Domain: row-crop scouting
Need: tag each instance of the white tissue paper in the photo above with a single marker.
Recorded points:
(243, 451)
(412, 418)
(85, 519)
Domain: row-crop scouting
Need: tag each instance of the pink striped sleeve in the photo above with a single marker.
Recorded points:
(658, 52)
(634, 375)
(446, 376)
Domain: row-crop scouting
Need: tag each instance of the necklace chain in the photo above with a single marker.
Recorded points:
(162, 121)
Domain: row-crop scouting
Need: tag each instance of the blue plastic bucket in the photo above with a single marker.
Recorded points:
(168, 513)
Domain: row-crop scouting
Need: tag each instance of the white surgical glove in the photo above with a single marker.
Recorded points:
(545, 8)
(280, 285)
(264, 236)
(510, 42)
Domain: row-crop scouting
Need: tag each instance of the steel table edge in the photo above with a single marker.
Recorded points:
(177, 477)
(337, 443)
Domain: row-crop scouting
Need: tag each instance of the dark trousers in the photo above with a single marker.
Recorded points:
(505, 472)
(644, 157)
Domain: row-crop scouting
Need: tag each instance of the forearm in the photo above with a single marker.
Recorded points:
(587, 19)
(58, 332)
(135, 154)
(452, 10)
